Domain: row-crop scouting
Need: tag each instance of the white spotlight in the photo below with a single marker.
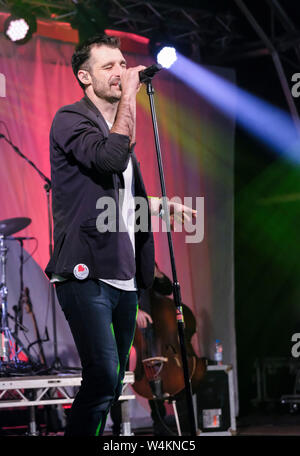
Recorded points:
(20, 26)
(166, 56)
(17, 29)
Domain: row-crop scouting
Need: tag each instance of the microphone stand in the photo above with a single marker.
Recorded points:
(176, 286)
(57, 362)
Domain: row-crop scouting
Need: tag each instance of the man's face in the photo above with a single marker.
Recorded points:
(106, 65)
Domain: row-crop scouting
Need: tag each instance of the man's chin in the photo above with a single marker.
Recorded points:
(113, 100)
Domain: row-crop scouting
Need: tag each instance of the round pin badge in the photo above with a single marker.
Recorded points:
(81, 271)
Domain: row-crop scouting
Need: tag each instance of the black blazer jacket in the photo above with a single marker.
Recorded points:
(87, 162)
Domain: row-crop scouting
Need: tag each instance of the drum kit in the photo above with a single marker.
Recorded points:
(10, 344)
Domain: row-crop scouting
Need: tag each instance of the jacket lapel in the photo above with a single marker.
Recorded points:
(99, 117)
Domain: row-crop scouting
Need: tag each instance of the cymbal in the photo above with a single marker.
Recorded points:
(13, 225)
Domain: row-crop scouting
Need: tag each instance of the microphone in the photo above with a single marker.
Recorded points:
(150, 72)
(146, 74)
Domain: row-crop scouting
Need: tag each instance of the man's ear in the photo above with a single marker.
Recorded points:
(84, 76)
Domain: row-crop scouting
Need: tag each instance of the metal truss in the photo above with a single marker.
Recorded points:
(47, 390)
(55, 390)
(44, 8)
(159, 20)
(175, 22)
(218, 36)
(272, 46)
(206, 35)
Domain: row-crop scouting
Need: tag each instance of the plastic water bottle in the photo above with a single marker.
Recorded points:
(218, 355)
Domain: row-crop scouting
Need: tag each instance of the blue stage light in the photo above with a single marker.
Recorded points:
(268, 123)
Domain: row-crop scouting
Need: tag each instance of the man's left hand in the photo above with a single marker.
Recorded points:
(181, 214)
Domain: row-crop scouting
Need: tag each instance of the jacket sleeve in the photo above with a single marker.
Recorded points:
(77, 135)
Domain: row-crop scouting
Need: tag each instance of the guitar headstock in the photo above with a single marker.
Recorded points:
(26, 301)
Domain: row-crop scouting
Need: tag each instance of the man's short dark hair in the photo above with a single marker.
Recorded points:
(83, 51)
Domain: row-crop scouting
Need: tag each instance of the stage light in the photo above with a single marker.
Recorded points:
(166, 56)
(162, 47)
(268, 123)
(19, 27)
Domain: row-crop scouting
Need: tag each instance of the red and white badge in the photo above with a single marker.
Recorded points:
(81, 271)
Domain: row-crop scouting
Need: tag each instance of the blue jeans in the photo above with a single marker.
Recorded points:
(102, 321)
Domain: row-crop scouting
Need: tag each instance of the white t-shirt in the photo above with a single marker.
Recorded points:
(128, 218)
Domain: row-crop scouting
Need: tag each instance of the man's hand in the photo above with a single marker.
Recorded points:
(179, 213)
(130, 81)
(143, 318)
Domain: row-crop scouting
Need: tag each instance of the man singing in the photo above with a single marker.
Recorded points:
(98, 273)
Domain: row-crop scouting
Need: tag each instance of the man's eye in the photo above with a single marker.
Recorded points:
(108, 67)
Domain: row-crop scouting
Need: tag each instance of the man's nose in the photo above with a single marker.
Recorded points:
(118, 70)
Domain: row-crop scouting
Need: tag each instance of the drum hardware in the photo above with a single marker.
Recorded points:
(10, 344)
(7, 351)
(13, 225)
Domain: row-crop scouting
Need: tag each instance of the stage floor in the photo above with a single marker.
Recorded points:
(254, 424)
